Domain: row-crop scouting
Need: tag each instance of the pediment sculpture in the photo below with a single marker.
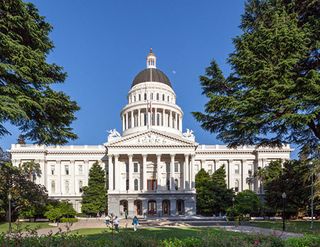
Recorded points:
(113, 135)
(189, 135)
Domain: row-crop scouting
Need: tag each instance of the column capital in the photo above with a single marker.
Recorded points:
(186, 155)
(116, 156)
(144, 156)
(158, 155)
(130, 156)
(172, 155)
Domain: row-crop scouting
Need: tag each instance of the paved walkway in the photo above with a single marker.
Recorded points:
(99, 223)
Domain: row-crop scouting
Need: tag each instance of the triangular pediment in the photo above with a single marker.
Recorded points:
(151, 138)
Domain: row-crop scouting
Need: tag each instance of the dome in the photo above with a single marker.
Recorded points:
(151, 74)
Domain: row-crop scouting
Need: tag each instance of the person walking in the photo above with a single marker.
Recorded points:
(116, 223)
(135, 223)
(107, 220)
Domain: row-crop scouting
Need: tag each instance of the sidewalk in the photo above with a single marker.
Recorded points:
(99, 223)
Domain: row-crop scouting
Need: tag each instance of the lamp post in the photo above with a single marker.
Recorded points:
(9, 202)
(312, 184)
(284, 196)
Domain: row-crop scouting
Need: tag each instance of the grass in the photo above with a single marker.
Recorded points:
(291, 226)
(150, 233)
(24, 226)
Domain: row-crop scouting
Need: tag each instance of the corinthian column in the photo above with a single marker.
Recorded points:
(172, 172)
(110, 172)
(130, 171)
(144, 164)
(158, 172)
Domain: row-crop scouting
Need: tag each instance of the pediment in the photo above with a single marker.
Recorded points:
(151, 138)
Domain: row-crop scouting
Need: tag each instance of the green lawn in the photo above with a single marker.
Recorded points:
(24, 226)
(291, 226)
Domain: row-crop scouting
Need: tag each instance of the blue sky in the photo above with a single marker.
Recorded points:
(103, 44)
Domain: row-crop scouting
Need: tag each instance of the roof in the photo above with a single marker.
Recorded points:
(151, 74)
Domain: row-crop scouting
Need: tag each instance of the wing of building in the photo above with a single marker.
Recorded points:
(151, 167)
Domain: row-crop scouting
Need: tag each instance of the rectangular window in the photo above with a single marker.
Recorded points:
(53, 187)
(80, 168)
(66, 186)
(176, 167)
(52, 169)
(127, 184)
(236, 168)
(66, 169)
(151, 184)
(135, 167)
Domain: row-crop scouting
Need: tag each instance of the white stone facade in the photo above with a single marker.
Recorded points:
(151, 168)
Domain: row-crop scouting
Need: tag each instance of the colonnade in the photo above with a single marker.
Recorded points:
(186, 171)
(154, 117)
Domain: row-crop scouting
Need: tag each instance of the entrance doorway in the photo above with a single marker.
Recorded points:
(180, 206)
(152, 207)
(123, 207)
(165, 207)
(137, 207)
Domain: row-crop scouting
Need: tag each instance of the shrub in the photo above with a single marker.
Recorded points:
(68, 220)
(306, 241)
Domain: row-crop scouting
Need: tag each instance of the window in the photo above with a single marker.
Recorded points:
(53, 187)
(80, 186)
(136, 184)
(158, 119)
(236, 185)
(163, 97)
(157, 96)
(145, 96)
(66, 186)
(139, 97)
(151, 184)
(134, 98)
(52, 169)
(151, 96)
(127, 184)
(176, 166)
(168, 99)
(236, 169)
(176, 184)
(135, 167)
(66, 169)
(80, 169)
(168, 184)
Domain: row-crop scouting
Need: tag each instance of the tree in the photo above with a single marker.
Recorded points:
(292, 180)
(204, 193)
(57, 210)
(222, 196)
(27, 100)
(28, 198)
(31, 169)
(94, 195)
(213, 196)
(272, 94)
(247, 202)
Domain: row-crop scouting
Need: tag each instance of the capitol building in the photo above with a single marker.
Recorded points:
(151, 165)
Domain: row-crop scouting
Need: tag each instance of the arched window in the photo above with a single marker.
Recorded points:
(80, 186)
(163, 97)
(53, 187)
(136, 185)
(139, 97)
(134, 98)
(176, 184)
(168, 99)
(236, 185)
(145, 96)
(157, 96)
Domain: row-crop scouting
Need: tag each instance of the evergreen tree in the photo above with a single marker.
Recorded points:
(204, 193)
(213, 196)
(222, 196)
(27, 99)
(94, 195)
(272, 94)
